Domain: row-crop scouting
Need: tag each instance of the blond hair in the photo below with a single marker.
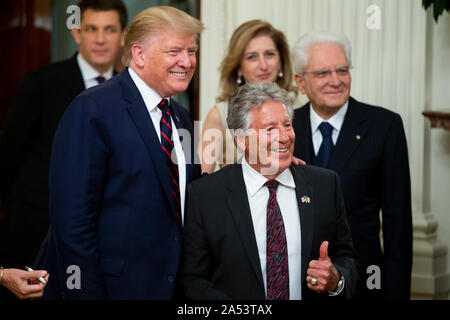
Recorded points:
(158, 19)
(236, 49)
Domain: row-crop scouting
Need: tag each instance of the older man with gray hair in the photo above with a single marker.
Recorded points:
(366, 146)
(263, 228)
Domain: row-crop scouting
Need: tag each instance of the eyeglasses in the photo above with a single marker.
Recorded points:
(323, 74)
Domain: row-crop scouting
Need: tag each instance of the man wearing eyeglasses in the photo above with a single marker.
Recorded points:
(366, 146)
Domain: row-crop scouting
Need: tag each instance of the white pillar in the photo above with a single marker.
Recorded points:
(430, 278)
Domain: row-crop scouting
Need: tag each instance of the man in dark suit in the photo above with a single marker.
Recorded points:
(116, 192)
(366, 146)
(263, 228)
(25, 145)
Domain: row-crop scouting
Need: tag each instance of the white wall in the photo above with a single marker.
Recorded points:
(393, 67)
(439, 99)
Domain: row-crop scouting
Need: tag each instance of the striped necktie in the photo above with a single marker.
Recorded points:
(277, 267)
(167, 147)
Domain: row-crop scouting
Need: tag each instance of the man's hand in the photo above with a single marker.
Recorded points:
(24, 284)
(297, 161)
(326, 275)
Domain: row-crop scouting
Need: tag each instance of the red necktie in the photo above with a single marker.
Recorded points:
(277, 267)
(100, 79)
(167, 147)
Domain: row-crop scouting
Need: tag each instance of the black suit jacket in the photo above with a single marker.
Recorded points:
(371, 159)
(220, 255)
(25, 148)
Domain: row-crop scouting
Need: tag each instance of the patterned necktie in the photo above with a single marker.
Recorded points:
(277, 267)
(167, 147)
(327, 144)
(100, 79)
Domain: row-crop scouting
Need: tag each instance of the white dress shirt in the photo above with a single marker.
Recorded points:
(89, 73)
(336, 121)
(258, 195)
(152, 99)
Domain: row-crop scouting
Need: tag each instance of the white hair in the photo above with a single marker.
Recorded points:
(300, 50)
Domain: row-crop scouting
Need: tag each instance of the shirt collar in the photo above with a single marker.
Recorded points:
(254, 180)
(336, 120)
(89, 73)
(151, 97)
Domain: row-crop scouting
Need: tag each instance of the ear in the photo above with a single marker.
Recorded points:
(76, 35)
(300, 81)
(239, 73)
(122, 40)
(137, 52)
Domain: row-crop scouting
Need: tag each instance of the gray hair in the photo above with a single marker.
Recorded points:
(300, 51)
(250, 96)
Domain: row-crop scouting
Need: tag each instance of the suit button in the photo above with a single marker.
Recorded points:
(177, 238)
(171, 278)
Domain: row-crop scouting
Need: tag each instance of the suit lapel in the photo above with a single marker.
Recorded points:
(302, 125)
(352, 133)
(305, 200)
(75, 83)
(237, 202)
(144, 124)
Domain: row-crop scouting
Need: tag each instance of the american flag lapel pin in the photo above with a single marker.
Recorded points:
(305, 199)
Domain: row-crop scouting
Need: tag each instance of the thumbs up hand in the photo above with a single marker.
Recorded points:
(322, 276)
(323, 251)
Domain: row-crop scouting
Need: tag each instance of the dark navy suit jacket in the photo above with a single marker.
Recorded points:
(371, 159)
(111, 209)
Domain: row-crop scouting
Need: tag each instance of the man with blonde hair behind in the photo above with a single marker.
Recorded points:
(119, 171)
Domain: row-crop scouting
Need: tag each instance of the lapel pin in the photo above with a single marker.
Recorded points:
(305, 199)
(358, 137)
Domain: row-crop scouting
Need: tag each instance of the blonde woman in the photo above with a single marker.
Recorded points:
(257, 52)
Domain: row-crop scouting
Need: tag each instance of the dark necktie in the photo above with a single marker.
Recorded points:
(277, 267)
(167, 147)
(327, 144)
(100, 79)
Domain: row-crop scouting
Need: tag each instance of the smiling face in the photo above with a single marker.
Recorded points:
(166, 62)
(269, 144)
(327, 91)
(261, 61)
(99, 38)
